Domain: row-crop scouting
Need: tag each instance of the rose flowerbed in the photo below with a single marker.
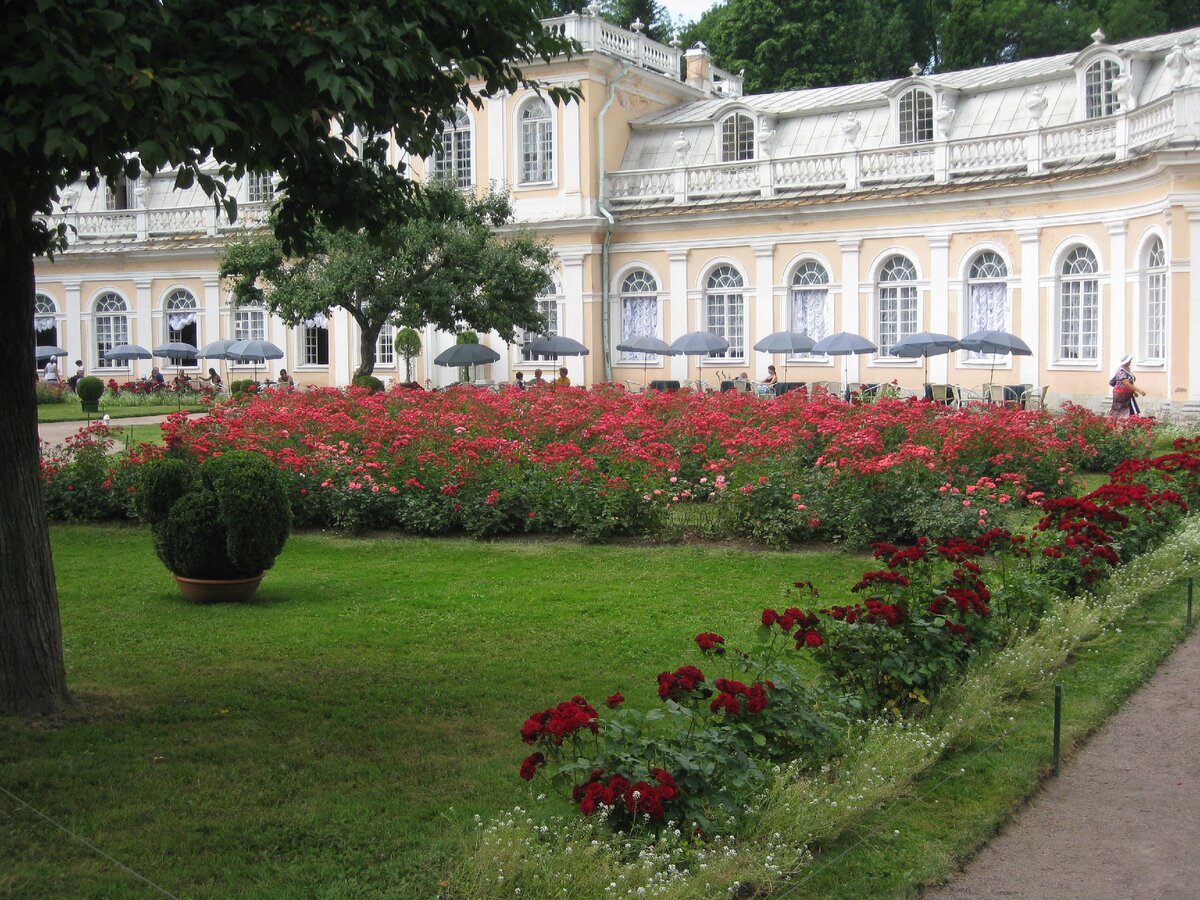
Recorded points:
(603, 463)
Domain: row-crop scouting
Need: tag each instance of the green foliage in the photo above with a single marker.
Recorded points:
(440, 263)
(228, 518)
(50, 393)
(408, 348)
(368, 381)
(79, 481)
(242, 387)
(89, 388)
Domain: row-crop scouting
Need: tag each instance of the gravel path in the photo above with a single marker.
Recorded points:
(1123, 818)
(54, 433)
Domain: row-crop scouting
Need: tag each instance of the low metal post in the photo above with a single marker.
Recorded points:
(1191, 586)
(1057, 727)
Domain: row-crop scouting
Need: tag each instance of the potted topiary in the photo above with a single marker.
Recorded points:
(89, 389)
(219, 525)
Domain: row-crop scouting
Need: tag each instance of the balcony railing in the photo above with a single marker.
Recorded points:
(143, 224)
(1032, 152)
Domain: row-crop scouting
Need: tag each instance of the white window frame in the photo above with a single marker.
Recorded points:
(640, 287)
(385, 347)
(808, 305)
(549, 303)
(897, 304)
(260, 187)
(249, 323)
(118, 194)
(1152, 326)
(310, 346)
(1077, 312)
(725, 288)
(110, 327)
(914, 116)
(535, 155)
(987, 271)
(455, 160)
(44, 308)
(181, 299)
(736, 134)
(1100, 97)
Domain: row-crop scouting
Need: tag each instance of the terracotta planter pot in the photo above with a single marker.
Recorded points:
(209, 590)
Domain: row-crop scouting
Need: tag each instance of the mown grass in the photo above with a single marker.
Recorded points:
(336, 737)
(71, 411)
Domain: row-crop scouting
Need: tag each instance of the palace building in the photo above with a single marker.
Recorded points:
(1055, 198)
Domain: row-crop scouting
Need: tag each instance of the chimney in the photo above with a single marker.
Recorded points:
(699, 67)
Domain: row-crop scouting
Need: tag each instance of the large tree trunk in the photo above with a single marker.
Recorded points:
(368, 340)
(32, 678)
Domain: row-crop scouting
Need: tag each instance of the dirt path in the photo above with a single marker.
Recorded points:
(1123, 819)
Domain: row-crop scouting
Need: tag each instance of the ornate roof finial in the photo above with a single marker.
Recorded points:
(1097, 36)
(676, 43)
(637, 26)
(592, 9)
(916, 69)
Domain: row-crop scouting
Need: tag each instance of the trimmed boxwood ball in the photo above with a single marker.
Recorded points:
(89, 388)
(227, 518)
(368, 381)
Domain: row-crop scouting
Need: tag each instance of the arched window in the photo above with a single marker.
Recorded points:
(916, 116)
(111, 322)
(453, 161)
(45, 321)
(537, 143)
(1099, 88)
(1154, 307)
(639, 312)
(249, 324)
(725, 310)
(810, 295)
(1078, 306)
(987, 295)
(737, 138)
(895, 302)
(183, 322)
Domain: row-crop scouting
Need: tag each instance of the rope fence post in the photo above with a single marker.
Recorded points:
(1191, 586)
(1057, 727)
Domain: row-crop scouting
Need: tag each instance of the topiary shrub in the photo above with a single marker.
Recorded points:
(89, 389)
(243, 387)
(226, 518)
(368, 381)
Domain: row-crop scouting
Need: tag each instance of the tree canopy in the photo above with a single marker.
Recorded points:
(794, 44)
(443, 263)
(209, 89)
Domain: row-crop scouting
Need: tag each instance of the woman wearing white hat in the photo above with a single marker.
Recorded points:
(1124, 401)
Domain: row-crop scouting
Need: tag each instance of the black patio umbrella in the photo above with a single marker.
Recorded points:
(126, 352)
(646, 344)
(844, 343)
(923, 345)
(176, 350)
(787, 342)
(41, 354)
(698, 343)
(996, 343)
(466, 355)
(253, 352)
(554, 345)
(217, 349)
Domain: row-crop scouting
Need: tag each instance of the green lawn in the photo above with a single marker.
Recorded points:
(71, 412)
(336, 737)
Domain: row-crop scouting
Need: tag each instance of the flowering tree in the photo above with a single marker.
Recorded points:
(442, 263)
(108, 88)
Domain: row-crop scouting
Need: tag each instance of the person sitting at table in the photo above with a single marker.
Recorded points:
(562, 380)
(285, 380)
(213, 379)
(519, 383)
(156, 377)
(181, 382)
(767, 385)
(537, 378)
(79, 373)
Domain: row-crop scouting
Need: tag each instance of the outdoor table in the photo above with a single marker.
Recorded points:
(782, 387)
(664, 385)
(1015, 393)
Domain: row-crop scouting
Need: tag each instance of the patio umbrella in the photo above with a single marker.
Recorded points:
(253, 352)
(41, 354)
(176, 350)
(843, 344)
(555, 345)
(925, 344)
(698, 343)
(466, 355)
(126, 352)
(787, 342)
(217, 349)
(646, 344)
(995, 342)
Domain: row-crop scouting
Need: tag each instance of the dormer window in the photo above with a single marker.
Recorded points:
(1099, 85)
(737, 138)
(118, 193)
(916, 117)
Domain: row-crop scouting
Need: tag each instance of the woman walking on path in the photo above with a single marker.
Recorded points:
(1124, 401)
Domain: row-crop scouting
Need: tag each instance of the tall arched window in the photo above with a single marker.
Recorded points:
(45, 321)
(537, 142)
(810, 296)
(547, 303)
(1079, 306)
(183, 322)
(895, 302)
(725, 310)
(916, 116)
(111, 322)
(639, 312)
(453, 161)
(1154, 307)
(737, 138)
(249, 324)
(987, 295)
(1100, 90)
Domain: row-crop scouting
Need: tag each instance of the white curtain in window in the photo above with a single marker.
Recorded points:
(181, 320)
(808, 312)
(43, 323)
(987, 310)
(639, 315)
(318, 321)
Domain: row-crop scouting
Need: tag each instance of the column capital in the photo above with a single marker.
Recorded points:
(1116, 227)
(1029, 235)
(849, 245)
(763, 250)
(939, 241)
(677, 256)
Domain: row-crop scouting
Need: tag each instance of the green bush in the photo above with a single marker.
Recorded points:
(89, 389)
(226, 518)
(368, 381)
(242, 387)
(51, 393)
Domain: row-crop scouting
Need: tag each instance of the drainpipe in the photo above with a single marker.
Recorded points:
(610, 222)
